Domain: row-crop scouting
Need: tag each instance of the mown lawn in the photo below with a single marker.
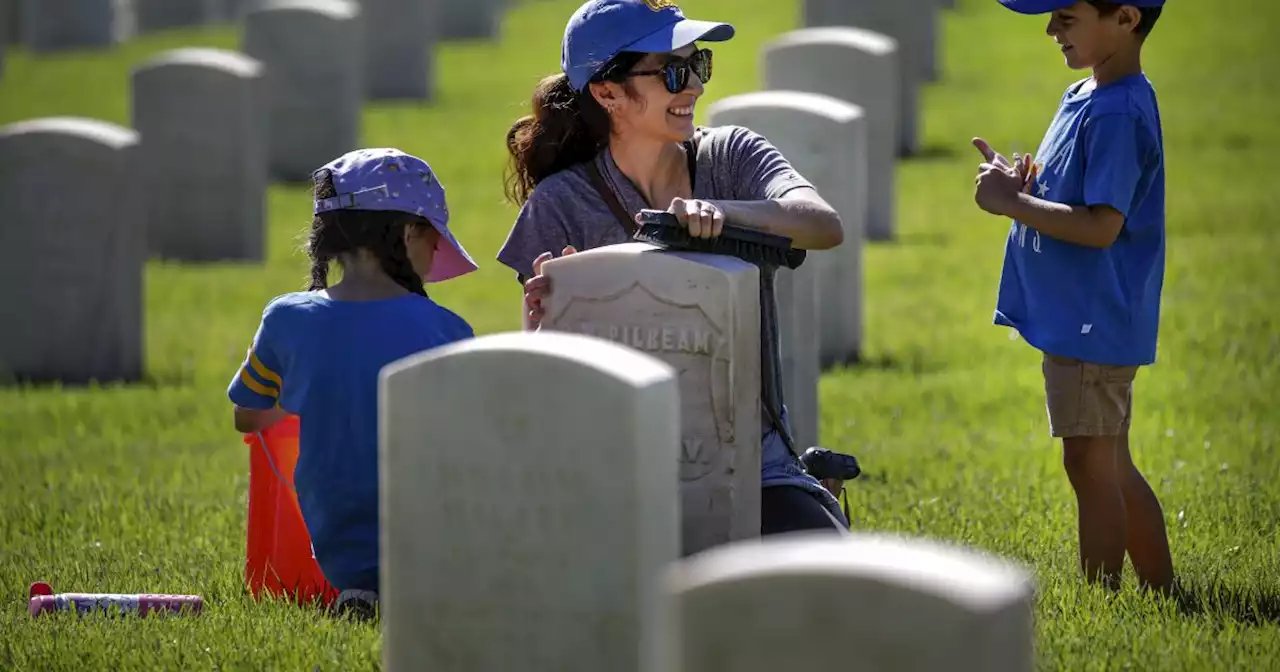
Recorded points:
(143, 487)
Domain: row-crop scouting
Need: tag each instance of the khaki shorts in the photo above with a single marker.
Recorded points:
(1085, 399)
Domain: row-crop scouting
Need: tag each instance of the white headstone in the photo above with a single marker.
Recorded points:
(472, 19)
(10, 22)
(399, 54)
(202, 117)
(858, 66)
(313, 54)
(529, 485)
(72, 235)
(797, 295)
(856, 602)
(913, 25)
(153, 15)
(6, 17)
(61, 25)
(825, 139)
(700, 313)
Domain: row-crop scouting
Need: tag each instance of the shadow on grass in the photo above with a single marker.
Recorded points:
(913, 363)
(1246, 605)
(931, 153)
(152, 380)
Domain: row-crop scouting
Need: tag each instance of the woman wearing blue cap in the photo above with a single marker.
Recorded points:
(613, 134)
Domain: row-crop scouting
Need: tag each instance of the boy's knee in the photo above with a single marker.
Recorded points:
(1090, 459)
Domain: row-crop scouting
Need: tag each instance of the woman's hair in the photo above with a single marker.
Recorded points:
(567, 127)
(338, 232)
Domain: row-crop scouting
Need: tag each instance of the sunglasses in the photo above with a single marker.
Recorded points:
(675, 75)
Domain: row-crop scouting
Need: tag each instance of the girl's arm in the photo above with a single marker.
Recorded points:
(250, 420)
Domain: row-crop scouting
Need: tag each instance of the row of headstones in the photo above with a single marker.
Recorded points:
(210, 130)
(585, 564)
(48, 26)
(839, 99)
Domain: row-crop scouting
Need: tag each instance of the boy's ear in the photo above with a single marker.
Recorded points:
(1128, 17)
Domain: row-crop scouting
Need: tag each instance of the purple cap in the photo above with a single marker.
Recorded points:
(1046, 6)
(388, 179)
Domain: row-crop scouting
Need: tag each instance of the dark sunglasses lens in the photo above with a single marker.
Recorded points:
(676, 77)
(701, 64)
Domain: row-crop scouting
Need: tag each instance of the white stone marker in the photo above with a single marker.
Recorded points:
(797, 295)
(470, 19)
(153, 15)
(529, 505)
(399, 49)
(50, 26)
(825, 139)
(858, 66)
(700, 313)
(913, 24)
(313, 54)
(855, 603)
(73, 238)
(202, 116)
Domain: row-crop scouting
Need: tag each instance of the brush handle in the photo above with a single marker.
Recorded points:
(664, 218)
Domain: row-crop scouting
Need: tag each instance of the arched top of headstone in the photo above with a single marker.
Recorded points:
(628, 365)
(720, 262)
(231, 62)
(958, 575)
(93, 131)
(860, 38)
(335, 9)
(837, 110)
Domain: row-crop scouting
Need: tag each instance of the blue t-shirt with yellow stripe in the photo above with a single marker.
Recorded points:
(319, 359)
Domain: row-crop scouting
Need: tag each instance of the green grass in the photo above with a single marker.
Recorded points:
(143, 487)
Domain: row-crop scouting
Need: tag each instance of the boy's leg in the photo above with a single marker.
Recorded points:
(1147, 541)
(1087, 409)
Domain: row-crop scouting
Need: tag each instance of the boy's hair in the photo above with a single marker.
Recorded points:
(381, 232)
(1149, 15)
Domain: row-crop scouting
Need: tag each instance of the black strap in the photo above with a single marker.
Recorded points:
(771, 366)
(611, 199)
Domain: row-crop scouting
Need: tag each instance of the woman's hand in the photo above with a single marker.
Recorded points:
(537, 288)
(703, 219)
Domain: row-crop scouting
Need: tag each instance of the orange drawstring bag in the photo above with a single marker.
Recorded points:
(278, 556)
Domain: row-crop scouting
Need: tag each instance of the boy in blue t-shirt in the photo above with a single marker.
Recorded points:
(381, 214)
(1083, 270)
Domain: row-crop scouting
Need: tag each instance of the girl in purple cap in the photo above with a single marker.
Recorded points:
(614, 133)
(381, 215)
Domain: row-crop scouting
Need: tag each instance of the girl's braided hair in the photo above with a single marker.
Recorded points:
(381, 232)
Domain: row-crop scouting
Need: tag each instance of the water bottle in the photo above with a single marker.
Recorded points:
(42, 599)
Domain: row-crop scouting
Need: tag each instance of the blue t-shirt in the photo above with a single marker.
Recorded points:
(1105, 147)
(320, 359)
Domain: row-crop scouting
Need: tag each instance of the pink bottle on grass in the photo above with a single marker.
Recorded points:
(43, 599)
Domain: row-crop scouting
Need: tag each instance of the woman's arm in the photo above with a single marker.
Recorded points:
(800, 214)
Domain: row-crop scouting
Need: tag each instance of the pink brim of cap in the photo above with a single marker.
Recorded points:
(451, 259)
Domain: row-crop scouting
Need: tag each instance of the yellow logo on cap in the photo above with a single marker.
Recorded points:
(656, 5)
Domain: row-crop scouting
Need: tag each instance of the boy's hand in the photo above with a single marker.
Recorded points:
(998, 181)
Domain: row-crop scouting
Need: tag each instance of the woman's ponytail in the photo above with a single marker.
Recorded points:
(567, 127)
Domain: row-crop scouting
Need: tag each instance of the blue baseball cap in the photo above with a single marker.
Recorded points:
(388, 179)
(1046, 6)
(601, 29)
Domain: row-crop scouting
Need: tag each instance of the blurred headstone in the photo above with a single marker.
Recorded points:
(50, 26)
(399, 54)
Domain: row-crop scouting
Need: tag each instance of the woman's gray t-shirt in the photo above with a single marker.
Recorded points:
(733, 164)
